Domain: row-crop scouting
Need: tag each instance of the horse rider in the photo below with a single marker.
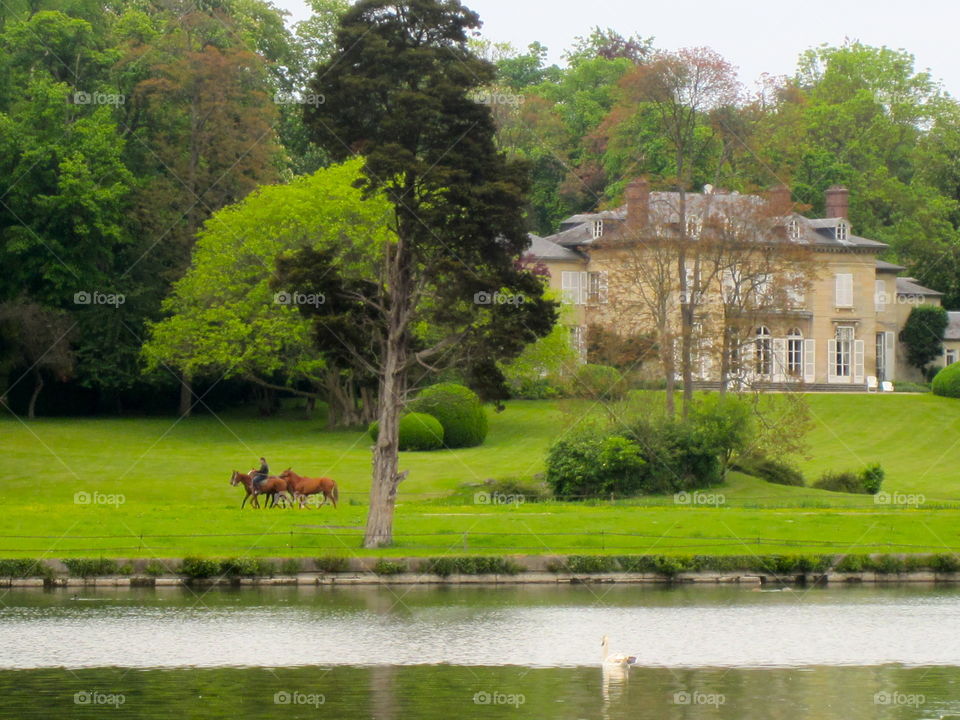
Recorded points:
(262, 474)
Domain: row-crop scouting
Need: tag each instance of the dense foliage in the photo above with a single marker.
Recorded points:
(922, 334)
(866, 482)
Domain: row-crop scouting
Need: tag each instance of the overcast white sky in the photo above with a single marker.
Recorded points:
(756, 37)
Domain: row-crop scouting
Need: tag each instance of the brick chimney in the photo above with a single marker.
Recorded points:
(638, 202)
(780, 199)
(837, 202)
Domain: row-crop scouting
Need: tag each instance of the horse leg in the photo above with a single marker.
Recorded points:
(245, 498)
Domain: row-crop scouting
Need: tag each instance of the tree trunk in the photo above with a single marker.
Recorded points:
(724, 361)
(386, 477)
(669, 373)
(686, 307)
(37, 387)
(186, 396)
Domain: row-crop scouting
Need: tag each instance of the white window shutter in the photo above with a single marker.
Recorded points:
(583, 287)
(809, 361)
(831, 360)
(858, 362)
(567, 286)
(844, 290)
(779, 360)
(603, 287)
(880, 295)
(888, 341)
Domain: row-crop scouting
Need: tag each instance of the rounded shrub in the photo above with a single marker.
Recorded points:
(599, 382)
(418, 431)
(947, 382)
(459, 411)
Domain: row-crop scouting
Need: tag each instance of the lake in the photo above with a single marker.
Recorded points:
(481, 652)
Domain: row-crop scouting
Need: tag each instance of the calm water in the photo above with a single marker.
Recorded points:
(481, 653)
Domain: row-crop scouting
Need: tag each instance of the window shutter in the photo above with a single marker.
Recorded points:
(880, 295)
(844, 290)
(888, 341)
(809, 361)
(831, 360)
(603, 286)
(748, 366)
(567, 286)
(583, 287)
(779, 360)
(857, 361)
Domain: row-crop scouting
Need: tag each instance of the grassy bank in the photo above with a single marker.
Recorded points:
(176, 499)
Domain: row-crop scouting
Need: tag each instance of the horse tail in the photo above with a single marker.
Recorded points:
(335, 493)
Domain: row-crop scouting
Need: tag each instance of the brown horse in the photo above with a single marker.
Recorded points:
(301, 487)
(271, 487)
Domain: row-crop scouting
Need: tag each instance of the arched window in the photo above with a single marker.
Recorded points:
(795, 352)
(842, 231)
(764, 351)
(793, 229)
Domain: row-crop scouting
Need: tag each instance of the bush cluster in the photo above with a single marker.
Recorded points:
(332, 564)
(773, 471)
(946, 383)
(389, 567)
(24, 568)
(418, 431)
(91, 567)
(459, 411)
(651, 456)
(446, 566)
(866, 482)
(599, 382)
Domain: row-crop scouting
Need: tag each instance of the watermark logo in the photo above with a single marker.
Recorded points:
(95, 297)
(98, 498)
(300, 298)
(499, 98)
(100, 699)
(496, 498)
(97, 98)
(483, 697)
(290, 98)
(699, 698)
(286, 697)
(699, 498)
(900, 499)
(485, 297)
(885, 697)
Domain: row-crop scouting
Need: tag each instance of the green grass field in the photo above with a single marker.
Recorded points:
(174, 479)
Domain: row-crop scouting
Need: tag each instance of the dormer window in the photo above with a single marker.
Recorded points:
(842, 231)
(694, 224)
(597, 229)
(794, 231)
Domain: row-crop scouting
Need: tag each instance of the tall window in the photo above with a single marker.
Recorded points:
(795, 352)
(764, 352)
(597, 228)
(881, 356)
(951, 356)
(596, 287)
(844, 290)
(880, 294)
(694, 225)
(578, 339)
(843, 359)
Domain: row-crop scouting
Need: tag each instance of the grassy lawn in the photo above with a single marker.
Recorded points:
(174, 477)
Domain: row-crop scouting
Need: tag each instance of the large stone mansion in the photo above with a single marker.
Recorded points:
(840, 331)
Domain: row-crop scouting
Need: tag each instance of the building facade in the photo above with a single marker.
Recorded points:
(835, 325)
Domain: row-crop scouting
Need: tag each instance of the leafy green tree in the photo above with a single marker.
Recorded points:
(405, 104)
(226, 320)
(922, 334)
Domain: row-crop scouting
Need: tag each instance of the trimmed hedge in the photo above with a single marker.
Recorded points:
(459, 411)
(480, 565)
(946, 383)
(418, 431)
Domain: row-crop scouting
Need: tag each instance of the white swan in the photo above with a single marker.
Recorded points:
(617, 658)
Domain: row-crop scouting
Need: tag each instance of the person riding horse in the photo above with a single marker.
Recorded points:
(260, 475)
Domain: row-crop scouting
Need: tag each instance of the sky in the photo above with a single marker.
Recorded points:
(756, 37)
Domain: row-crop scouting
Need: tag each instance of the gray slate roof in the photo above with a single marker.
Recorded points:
(909, 286)
(578, 230)
(953, 326)
(545, 249)
(884, 266)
